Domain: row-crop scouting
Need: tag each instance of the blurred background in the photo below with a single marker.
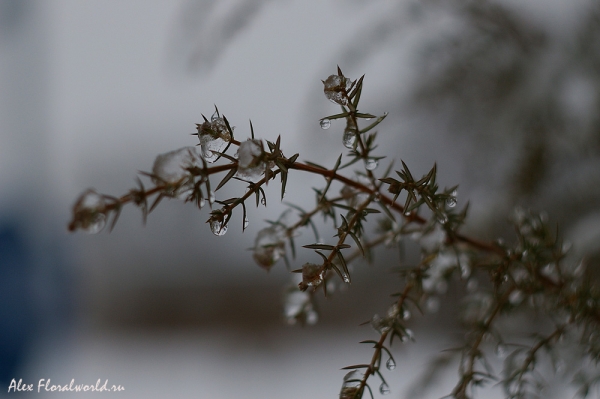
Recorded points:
(504, 96)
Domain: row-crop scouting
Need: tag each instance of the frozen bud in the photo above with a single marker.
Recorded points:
(213, 137)
(380, 324)
(351, 386)
(312, 276)
(269, 246)
(89, 213)
(295, 304)
(217, 223)
(336, 89)
(250, 159)
(172, 168)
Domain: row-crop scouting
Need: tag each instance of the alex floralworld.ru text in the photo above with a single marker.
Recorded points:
(45, 385)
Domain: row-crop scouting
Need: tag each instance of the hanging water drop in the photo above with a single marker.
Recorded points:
(89, 213)
(217, 227)
(451, 201)
(406, 314)
(263, 201)
(346, 278)
(246, 222)
(211, 197)
(432, 304)
(442, 218)
(371, 164)
(349, 138)
(325, 123)
(202, 202)
(312, 317)
(390, 364)
(96, 226)
(384, 389)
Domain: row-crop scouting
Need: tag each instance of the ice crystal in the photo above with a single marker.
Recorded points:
(336, 89)
(349, 138)
(269, 246)
(172, 167)
(250, 159)
(89, 212)
(312, 275)
(213, 137)
(371, 164)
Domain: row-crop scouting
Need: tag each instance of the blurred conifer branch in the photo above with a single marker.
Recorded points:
(533, 275)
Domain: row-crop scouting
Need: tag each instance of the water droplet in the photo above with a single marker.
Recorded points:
(295, 303)
(384, 389)
(406, 314)
(312, 275)
(465, 270)
(246, 222)
(250, 160)
(515, 297)
(390, 364)
(501, 350)
(172, 167)
(441, 287)
(217, 227)
(335, 89)
(371, 164)
(312, 317)
(96, 224)
(442, 218)
(346, 278)
(353, 375)
(325, 124)
(211, 197)
(548, 269)
(379, 324)
(202, 202)
(263, 201)
(409, 334)
(349, 139)
(472, 285)
(89, 212)
(451, 201)
(432, 304)
(269, 246)
(213, 137)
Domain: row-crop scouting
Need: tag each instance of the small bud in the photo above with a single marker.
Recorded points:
(213, 137)
(89, 213)
(336, 89)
